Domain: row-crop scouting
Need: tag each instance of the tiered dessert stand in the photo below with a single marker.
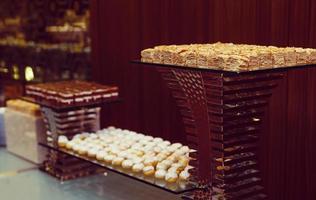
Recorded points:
(222, 112)
(68, 121)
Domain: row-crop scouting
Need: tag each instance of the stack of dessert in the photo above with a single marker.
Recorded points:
(69, 107)
(133, 151)
(24, 107)
(69, 93)
(228, 56)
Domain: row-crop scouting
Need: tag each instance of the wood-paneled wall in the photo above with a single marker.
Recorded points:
(121, 28)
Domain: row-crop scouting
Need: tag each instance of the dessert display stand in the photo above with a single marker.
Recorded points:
(222, 112)
(68, 121)
(63, 118)
(65, 164)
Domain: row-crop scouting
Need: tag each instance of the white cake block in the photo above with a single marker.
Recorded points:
(23, 133)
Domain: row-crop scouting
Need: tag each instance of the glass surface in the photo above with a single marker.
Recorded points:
(196, 68)
(176, 188)
(10, 163)
(20, 180)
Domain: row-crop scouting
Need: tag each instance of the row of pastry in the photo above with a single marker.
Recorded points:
(133, 151)
(229, 56)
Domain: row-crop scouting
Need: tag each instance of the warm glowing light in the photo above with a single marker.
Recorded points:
(256, 119)
(16, 74)
(4, 70)
(29, 74)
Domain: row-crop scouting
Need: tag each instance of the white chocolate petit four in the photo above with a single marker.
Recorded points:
(171, 177)
(76, 147)
(162, 166)
(184, 175)
(138, 167)
(108, 158)
(69, 145)
(160, 174)
(100, 155)
(62, 141)
(83, 150)
(117, 161)
(127, 164)
(151, 162)
(148, 170)
(176, 145)
(92, 152)
(157, 140)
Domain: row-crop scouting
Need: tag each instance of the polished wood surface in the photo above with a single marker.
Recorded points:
(120, 29)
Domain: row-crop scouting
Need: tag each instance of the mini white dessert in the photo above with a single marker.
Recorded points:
(171, 148)
(100, 155)
(166, 142)
(115, 151)
(148, 148)
(171, 177)
(184, 175)
(124, 146)
(111, 128)
(93, 136)
(137, 160)
(160, 174)
(185, 149)
(160, 158)
(151, 161)
(183, 160)
(84, 135)
(157, 140)
(176, 170)
(168, 163)
(76, 147)
(138, 167)
(92, 152)
(69, 145)
(165, 153)
(179, 152)
(179, 166)
(157, 149)
(176, 145)
(172, 158)
(78, 136)
(122, 154)
(76, 140)
(83, 150)
(148, 138)
(62, 141)
(117, 161)
(127, 164)
(161, 166)
(148, 170)
(108, 158)
(139, 153)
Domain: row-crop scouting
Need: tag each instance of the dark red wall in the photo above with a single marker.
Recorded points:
(121, 28)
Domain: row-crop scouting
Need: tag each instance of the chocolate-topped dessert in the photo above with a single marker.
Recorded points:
(68, 93)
